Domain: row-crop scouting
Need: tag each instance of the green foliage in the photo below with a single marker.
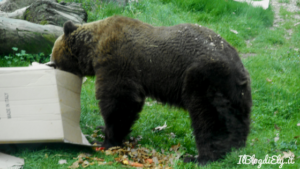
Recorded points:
(43, 22)
(285, 13)
(270, 37)
(219, 9)
(21, 58)
(283, 1)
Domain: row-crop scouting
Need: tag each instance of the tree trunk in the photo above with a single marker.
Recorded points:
(32, 38)
(12, 5)
(18, 14)
(46, 12)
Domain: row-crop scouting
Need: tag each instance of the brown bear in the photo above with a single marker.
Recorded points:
(186, 65)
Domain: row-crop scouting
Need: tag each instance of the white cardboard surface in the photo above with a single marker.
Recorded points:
(263, 3)
(39, 104)
(9, 162)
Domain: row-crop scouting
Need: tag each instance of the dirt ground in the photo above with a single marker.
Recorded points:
(278, 21)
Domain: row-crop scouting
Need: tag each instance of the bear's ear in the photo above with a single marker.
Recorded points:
(69, 27)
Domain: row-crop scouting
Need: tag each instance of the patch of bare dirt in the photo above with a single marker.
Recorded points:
(279, 21)
(291, 7)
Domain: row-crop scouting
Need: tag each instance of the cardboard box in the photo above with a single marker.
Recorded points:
(39, 104)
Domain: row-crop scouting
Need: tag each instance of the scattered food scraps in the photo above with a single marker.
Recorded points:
(141, 157)
(85, 160)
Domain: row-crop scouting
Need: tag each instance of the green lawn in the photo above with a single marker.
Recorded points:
(274, 70)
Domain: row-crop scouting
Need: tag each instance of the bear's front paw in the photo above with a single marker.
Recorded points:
(107, 145)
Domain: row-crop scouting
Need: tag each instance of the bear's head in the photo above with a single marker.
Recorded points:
(70, 51)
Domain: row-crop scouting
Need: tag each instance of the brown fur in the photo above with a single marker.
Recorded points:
(184, 65)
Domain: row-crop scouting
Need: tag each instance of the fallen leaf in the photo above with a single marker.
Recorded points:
(85, 164)
(269, 80)
(276, 127)
(172, 135)
(62, 162)
(155, 160)
(82, 155)
(234, 31)
(159, 128)
(108, 152)
(287, 155)
(136, 164)
(125, 162)
(104, 163)
(97, 159)
(297, 137)
(89, 126)
(178, 155)
(149, 160)
(74, 165)
(175, 147)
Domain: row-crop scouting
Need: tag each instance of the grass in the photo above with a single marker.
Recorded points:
(283, 1)
(274, 73)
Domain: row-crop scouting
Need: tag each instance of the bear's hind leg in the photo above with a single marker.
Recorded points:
(215, 134)
(220, 123)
